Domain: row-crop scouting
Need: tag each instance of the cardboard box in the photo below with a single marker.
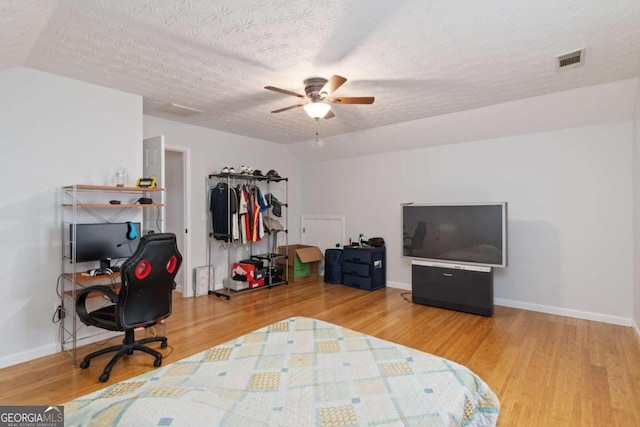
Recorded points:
(302, 261)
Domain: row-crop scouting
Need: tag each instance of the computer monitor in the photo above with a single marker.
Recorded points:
(103, 242)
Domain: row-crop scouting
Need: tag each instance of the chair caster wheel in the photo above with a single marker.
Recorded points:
(163, 344)
(104, 378)
(157, 362)
(84, 364)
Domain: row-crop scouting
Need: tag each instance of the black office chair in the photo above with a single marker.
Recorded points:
(147, 281)
(417, 240)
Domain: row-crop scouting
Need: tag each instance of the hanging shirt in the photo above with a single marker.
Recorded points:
(235, 231)
(256, 222)
(222, 206)
(262, 206)
(243, 217)
(262, 201)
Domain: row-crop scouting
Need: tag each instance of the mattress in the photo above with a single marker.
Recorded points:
(296, 372)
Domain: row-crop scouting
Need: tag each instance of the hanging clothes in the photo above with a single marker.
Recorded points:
(243, 210)
(235, 231)
(256, 222)
(263, 206)
(223, 206)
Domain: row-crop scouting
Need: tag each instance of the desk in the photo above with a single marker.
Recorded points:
(84, 281)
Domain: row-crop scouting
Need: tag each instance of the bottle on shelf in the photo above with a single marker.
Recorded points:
(122, 177)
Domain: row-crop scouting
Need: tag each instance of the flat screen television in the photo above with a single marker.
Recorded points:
(470, 233)
(103, 242)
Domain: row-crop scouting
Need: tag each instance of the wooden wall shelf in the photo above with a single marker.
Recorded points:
(115, 206)
(89, 187)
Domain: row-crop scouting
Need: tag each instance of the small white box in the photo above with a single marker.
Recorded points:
(204, 280)
(236, 285)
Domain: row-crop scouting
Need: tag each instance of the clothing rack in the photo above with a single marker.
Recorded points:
(223, 220)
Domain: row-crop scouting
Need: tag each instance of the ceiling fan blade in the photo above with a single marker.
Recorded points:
(329, 115)
(353, 100)
(286, 92)
(332, 85)
(291, 107)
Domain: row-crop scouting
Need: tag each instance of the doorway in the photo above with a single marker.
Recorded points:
(171, 165)
(175, 206)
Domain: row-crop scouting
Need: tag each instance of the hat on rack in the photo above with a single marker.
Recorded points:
(273, 174)
(257, 172)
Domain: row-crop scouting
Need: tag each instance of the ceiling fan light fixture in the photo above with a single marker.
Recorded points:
(317, 110)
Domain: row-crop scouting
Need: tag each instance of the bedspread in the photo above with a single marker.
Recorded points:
(296, 372)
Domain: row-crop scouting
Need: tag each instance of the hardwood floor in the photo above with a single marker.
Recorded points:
(546, 370)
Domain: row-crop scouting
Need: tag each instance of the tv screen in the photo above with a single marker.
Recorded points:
(456, 233)
(103, 241)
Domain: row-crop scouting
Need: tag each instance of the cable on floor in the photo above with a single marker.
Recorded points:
(404, 296)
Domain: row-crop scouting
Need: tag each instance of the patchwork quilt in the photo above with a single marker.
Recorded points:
(296, 372)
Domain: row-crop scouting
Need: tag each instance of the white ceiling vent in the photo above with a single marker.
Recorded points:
(179, 110)
(570, 60)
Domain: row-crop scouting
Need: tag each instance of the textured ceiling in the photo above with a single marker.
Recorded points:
(418, 58)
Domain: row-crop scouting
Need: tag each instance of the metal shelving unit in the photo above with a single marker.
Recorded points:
(93, 202)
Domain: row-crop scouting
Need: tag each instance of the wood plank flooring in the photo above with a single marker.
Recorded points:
(546, 370)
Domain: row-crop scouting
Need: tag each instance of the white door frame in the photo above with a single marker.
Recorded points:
(154, 165)
(187, 288)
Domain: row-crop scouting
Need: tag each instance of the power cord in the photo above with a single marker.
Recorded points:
(58, 291)
(404, 296)
(105, 341)
(59, 312)
(168, 354)
(153, 332)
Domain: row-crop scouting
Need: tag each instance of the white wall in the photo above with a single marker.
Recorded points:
(570, 209)
(54, 131)
(212, 150)
(636, 213)
(605, 103)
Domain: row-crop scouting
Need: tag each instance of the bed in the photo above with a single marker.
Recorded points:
(296, 372)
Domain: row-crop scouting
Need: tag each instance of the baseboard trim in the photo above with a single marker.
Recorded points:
(25, 356)
(567, 312)
(577, 314)
(398, 285)
(48, 350)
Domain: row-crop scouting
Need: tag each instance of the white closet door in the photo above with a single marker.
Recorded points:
(323, 231)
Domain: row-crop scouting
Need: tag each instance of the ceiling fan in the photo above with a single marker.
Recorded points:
(317, 98)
